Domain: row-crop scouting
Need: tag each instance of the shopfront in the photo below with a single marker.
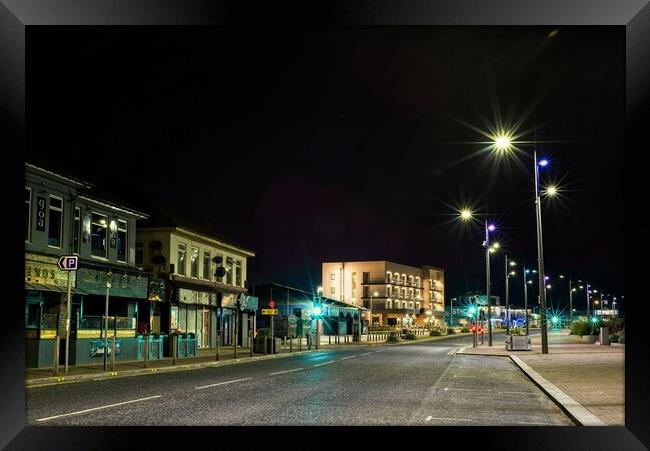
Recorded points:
(126, 291)
(194, 313)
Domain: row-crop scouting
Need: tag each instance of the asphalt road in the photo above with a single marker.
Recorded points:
(415, 384)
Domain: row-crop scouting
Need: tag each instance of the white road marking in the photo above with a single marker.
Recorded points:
(223, 383)
(367, 353)
(348, 357)
(287, 371)
(429, 418)
(539, 424)
(469, 389)
(97, 408)
(325, 363)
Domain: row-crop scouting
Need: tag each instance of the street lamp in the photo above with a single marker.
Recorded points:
(318, 311)
(466, 215)
(526, 271)
(503, 143)
(508, 275)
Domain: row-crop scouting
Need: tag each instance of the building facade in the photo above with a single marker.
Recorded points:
(64, 217)
(394, 294)
(197, 300)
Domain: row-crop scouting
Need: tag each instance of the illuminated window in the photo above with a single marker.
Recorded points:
(122, 248)
(55, 219)
(206, 265)
(28, 212)
(182, 250)
(98, 230)
(194, 262)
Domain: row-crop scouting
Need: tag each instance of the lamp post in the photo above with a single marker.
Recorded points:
(526, 271)
(108, 289)
(508, 275)
(318, 315)
(451, 313)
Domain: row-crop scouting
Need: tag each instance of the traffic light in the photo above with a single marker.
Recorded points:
(481, 329)
(473, 328)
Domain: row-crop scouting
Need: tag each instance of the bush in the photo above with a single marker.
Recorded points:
(410, 336)
(581, 328)
(451, 331)
(464, 330)
(516, 331)
(621, 338)
(613, 338)
(435, 333)
(393, 337)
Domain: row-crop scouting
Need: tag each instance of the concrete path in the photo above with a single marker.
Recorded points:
(591, 376)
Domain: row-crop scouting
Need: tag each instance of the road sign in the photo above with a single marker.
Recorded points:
(272, 303)
(68, 262)
(269, 311)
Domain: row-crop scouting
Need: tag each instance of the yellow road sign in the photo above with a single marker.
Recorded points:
(269, 311)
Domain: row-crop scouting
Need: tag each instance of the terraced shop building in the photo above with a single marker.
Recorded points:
(205, 277)
(394, 294)
(65, 215)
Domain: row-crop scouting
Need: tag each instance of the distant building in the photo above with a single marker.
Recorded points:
(405, 295)
(295, 307)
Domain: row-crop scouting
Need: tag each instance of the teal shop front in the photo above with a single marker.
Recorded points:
(126, 289)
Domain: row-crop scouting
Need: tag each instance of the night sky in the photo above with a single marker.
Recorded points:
(349, 144)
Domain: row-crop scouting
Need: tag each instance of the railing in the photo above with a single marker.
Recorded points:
(97, 322)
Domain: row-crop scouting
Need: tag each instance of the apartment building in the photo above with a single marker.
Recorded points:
(394, 294)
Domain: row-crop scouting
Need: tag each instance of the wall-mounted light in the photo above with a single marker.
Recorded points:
(113, 225)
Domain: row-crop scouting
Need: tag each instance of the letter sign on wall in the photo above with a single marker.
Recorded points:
(40, 214)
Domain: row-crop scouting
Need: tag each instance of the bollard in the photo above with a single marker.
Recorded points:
(113, 353)
(329, 339)
(250, 341)
(300, 343)
(174, 348)
(56, 345)
(290, 344)
(218, 342)
(266, 344)
(146, 351)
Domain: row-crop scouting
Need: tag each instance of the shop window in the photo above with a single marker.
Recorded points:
(33, 315)
(98, 230)
(122, 245)
(55, 222)
(194, 262)
(182, 250)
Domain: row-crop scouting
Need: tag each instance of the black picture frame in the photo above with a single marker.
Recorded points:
(16, 16)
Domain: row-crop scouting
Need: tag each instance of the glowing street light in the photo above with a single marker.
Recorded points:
(466, 214)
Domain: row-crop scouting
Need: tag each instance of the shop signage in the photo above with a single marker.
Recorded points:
(269, 311)
(40, 214)
(44, 270)
(156, 290)
(122, 284)
(68, 263)
(96, 348)
(173, 317)
(272, 303)
(194, 297)
(249, 302)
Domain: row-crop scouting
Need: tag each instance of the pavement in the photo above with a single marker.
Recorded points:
(206, 358)
(585, 380)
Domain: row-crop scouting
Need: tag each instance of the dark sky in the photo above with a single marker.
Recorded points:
(337, 144)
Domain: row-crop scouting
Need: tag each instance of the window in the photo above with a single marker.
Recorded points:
(28, 212)
(76, 233)
(182, 250)
(389, 304)
(194, 262)
(388, 291)
(396, 304)
(98, 229)
(229, 270)
(122, 247)
(139, 253)
(333, 276)
(389, 276)
(238, 273)
(411, 304)
(417, 305)
(220, 258)
(206, 265)
(55, 219)
(332, 290)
